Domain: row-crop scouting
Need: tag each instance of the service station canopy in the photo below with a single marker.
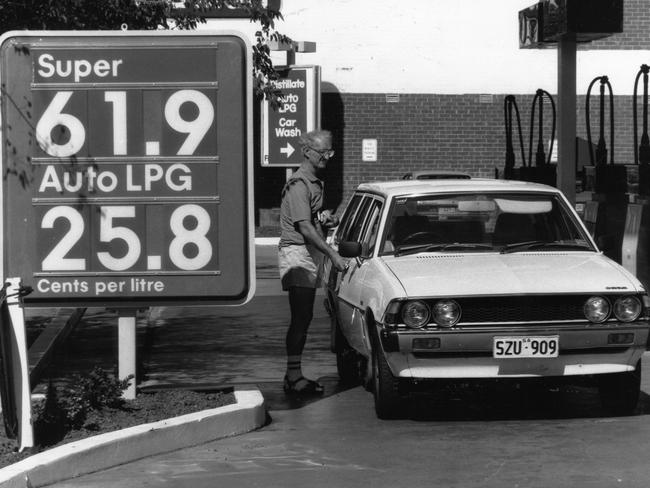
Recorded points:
(128, 160)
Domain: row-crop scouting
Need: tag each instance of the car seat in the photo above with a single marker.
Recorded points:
(510, 228)
(407, 225)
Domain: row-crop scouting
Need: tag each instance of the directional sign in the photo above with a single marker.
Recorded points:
(128, 163)
(298, 112)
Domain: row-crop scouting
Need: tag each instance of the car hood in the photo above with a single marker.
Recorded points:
(436, 274)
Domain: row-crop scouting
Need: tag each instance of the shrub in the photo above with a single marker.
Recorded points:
(95, 391)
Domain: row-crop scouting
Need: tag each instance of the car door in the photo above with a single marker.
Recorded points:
(346, 232)
(332, 277)
(352, 290)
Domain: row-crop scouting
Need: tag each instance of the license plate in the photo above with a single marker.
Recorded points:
(526, 347)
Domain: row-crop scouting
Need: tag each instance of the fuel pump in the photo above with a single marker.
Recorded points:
(510, 104)
(636, 238)
(605, 214)
(608, 179)
(543, 171)
(540, 157)
(642, 151)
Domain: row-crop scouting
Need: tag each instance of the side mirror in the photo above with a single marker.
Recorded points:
(349, 249)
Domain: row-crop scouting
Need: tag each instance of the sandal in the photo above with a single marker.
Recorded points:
(311, 387)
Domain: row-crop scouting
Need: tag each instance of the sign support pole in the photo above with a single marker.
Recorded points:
(566, 89)
(22, 388)
(127, 349)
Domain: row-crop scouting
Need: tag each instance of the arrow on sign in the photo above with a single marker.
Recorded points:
(288, 149)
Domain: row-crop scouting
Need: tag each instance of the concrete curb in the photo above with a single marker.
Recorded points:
(114, 448)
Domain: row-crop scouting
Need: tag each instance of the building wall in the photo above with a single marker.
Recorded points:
(451, 132)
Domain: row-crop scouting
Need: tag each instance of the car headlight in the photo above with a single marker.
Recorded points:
(446, 313)
(627, 309)
(597, 309)
(415, 314)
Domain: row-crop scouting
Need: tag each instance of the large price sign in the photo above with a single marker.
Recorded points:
(127, 162)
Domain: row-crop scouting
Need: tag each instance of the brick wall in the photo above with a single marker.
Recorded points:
(450, 132)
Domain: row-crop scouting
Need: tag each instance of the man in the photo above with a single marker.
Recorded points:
(302, 249)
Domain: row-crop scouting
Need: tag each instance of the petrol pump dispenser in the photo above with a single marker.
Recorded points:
(642, 151)
(605, 178)
(635, 253)
(543, 171)
(510, 104)
(605, 214)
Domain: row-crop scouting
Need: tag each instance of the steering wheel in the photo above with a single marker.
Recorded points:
(419, 234)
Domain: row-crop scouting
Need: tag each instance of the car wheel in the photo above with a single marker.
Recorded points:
(619, 392)
(385, 387)
(348, 362)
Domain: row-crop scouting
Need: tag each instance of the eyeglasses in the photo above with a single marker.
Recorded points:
(327, 153)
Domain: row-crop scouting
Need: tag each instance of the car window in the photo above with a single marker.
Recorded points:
(482, 222)
(348, 218)
(357, 227)
(372, 228)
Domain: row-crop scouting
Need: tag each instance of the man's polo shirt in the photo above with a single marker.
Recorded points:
(302, 199)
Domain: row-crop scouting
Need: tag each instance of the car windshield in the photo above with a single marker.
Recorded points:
(482, 222)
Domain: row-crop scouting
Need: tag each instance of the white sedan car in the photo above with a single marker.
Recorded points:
(479, 279)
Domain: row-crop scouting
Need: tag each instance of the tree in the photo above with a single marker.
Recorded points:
(147, 15)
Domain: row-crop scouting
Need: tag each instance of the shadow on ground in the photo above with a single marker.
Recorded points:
(509, 400)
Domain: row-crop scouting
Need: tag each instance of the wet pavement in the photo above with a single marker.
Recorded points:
(484, 434)
(491, 436)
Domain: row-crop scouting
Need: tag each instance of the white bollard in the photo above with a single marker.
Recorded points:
(127, 349)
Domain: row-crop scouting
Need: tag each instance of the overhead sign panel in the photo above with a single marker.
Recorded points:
(298, 112)
(128, 158)
(543, 24)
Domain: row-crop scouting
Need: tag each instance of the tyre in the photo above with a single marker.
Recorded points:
(385, 387)
(619, 392)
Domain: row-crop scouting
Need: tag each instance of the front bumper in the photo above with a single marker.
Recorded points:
(585, 349)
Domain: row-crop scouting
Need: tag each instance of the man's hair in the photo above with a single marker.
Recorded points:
(314, 136)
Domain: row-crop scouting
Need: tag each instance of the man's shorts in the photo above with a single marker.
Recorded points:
(300, 266)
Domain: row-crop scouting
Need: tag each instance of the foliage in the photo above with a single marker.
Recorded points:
(146, 15)
(60, 413)
(93, 392)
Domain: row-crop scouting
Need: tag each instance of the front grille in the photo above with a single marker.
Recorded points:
(522, 309)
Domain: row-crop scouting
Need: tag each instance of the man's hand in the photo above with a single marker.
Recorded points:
(306, 228)
(327, 219)
(341, 264)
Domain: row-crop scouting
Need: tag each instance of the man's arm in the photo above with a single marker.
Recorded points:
(313, 237)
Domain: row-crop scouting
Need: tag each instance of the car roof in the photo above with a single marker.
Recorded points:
(402, 187)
